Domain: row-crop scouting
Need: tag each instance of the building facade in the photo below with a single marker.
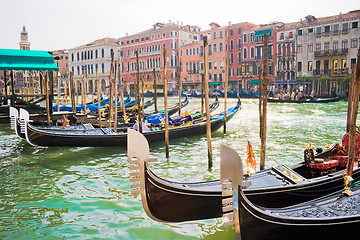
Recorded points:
(150, 45)
(286, 56)
(328, 46)
(88, 57)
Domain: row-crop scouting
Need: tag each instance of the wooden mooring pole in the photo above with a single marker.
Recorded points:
(263, 112)
(353, 117)
(155, 91)
(98, 94)
(72, 92)
(206, 91)
(180, 87)
(116, 96)
(137, 90)
(166, 109)
(225, 92)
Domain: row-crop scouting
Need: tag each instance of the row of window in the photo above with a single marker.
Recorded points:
(335, 45)
(153, 37)
(90, 54)
(336, 65)
(329, 29)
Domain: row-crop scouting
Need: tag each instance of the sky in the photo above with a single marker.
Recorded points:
(65, 24)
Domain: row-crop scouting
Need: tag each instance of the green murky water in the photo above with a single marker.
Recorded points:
(84, 193)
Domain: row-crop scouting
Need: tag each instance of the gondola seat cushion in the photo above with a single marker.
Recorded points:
(343, 160)
(327, 164)
(345, 142)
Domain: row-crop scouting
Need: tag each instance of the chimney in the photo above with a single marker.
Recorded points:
(127, 34)
(181, 23)
(229, 23)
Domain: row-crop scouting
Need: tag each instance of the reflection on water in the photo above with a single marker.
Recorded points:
(85, 192)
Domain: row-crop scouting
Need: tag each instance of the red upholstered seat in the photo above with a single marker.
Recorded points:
(343, 160)
(324, 165)
(345, 142)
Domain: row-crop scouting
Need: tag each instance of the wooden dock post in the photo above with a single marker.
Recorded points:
(166, 109)
(84, 90)
(180, 87)
(47, 99)
(111, 90)
(98, 94)
(122, 96)
(206, 90)
(353, 117)
(137, 95)
(72, 92)
(116, 96)
(264, 104)
(202, 95)
(225, 92)
(155, 91)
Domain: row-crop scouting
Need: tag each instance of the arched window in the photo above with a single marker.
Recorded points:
(239, 43)
(72, 57)
(252, 52)
(102, 53)
(96, 54)
(245, 53)
(231, 44)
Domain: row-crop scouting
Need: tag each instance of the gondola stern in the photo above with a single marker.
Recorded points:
(138, 148)
(231, 177)
(14, 114)
(24, 118)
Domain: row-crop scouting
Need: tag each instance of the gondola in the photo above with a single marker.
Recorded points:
(175, 108)
(304, 100)
(93, 107)
(234, 94)
(335, 216)
(105, 137)
(279, 186)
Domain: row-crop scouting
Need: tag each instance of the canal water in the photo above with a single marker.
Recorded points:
(84, 193)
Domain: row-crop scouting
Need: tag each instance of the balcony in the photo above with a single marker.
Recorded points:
(146, 54)
(332, 52)
(193, 71)
(330, 72)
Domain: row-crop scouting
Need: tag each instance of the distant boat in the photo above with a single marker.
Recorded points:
(304, 100)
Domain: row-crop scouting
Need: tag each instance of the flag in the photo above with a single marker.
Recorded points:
(250, 160)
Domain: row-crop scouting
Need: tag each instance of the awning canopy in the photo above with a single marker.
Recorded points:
(254, 81)
(263, 32)
(14, 59)
(214, 83)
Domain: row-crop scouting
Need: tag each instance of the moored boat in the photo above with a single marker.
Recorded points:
(334, 216)
(279, 186)
(303, 100)
(105, 137)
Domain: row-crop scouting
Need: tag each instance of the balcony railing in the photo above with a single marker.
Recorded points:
(193, 71)
(332, 72)
(332, 52)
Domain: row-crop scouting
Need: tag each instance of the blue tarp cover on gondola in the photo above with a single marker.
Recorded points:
(156, 118)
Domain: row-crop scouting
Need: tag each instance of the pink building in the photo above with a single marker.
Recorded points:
(241, 61)
(150, 45)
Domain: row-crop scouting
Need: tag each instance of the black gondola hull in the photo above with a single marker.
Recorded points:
(86, 139)
(334, 217)
(177, 202)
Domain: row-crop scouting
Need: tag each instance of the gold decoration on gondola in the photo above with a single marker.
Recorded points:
(347, 180)
(126, 119)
